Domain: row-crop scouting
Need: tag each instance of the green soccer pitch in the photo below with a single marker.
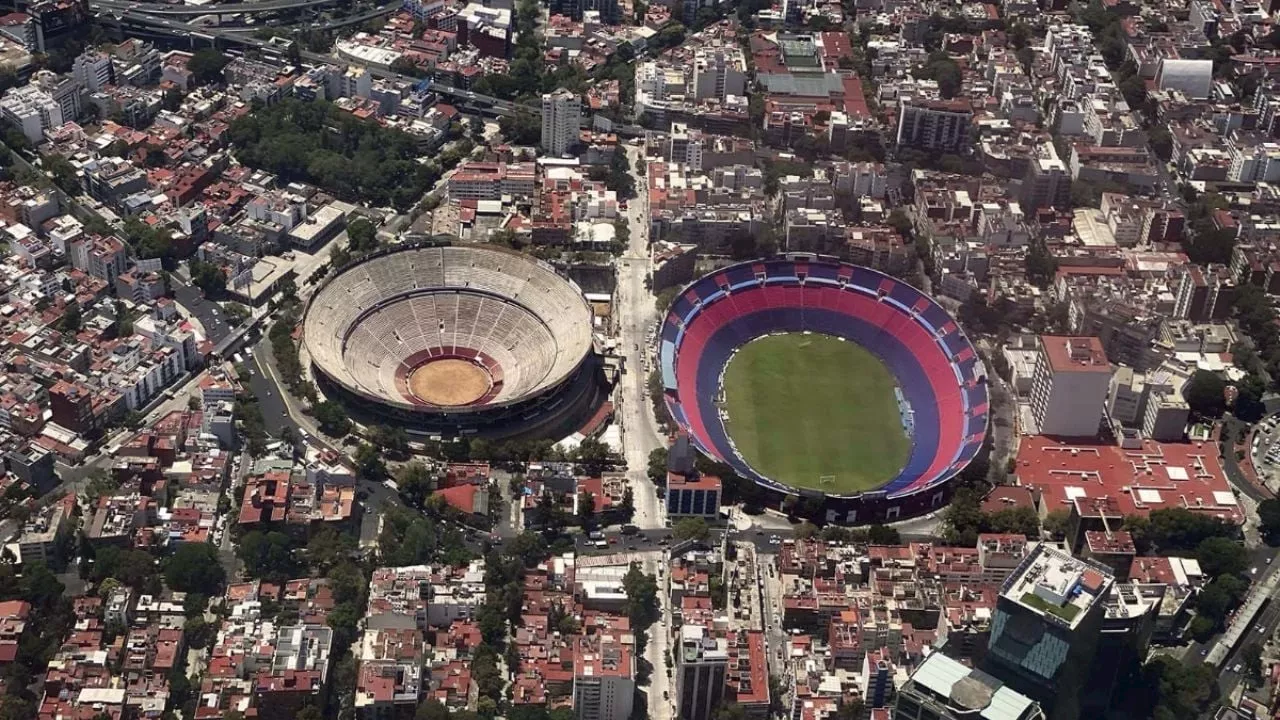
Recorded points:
(816, 412)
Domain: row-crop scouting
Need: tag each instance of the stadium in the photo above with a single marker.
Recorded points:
(454, 341)
(825, 380)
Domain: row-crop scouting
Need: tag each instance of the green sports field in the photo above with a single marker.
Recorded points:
(802, 407)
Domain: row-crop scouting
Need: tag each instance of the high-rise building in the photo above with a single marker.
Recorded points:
(719, 72)
(93, 70)
(610, 10)
(1069, 389)
(1047, 183)
(561, 116)
(700, 672)
(1047, 627)
(1204, 293)
(1132, 610)
(604, 677)
(1166, 415)
(942, 688)
(934, 124)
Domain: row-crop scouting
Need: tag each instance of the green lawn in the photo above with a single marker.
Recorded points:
(1066, 612)
(804, 406)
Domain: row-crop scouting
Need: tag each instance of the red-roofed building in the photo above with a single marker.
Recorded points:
(1008, 497)
(693, 496)
(390, 677)
(465, 474)
(266, 498)
(1115, 549)
(747, 678)
(1101, 484)
(469, 499)
(604, 675)
(283, 694)
(13, 621)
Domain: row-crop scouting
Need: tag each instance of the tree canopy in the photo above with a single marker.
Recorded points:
(408, 538)
(691, 529)
(1205, 393)
(642, 597)
(208, 276)
(964, 519)
(332, 418)
(267, 555)
(194, 568)
(362, 235)
(1269, 514)
(1174, 530)
(206, 66)
(317, 143)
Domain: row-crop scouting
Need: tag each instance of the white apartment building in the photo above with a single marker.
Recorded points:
(284, 209)
(355, 82)
(1253, 162)
(718, 72)
(1069, 390)
(32, 111)
(93, 70)
(561, 120)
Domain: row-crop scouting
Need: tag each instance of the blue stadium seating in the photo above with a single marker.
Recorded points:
(823, 270)
(739, 274)
(950, 414)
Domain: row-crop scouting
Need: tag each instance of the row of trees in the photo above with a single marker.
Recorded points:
(873, 535)
(285, 352)
(964, 519)
(1257, 318)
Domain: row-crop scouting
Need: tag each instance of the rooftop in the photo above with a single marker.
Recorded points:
(1057, 585)
(1129, 480)
(1075, 354)
(972, 691)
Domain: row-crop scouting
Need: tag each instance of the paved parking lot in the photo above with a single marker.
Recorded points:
(1265, 450)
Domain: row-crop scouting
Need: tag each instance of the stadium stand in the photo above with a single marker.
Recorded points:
(370, 326)
(943, 386)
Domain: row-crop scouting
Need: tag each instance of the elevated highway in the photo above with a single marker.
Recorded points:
(137, 16)
(239, 8)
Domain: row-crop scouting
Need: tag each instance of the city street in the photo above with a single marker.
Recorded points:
(661, 690)
(635, 309)
(205, 312)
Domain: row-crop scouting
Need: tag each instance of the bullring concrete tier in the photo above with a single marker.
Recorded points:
(940, 375)
(448, 330)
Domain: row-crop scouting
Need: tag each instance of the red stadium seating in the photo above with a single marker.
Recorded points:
(701, 335)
